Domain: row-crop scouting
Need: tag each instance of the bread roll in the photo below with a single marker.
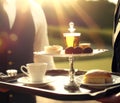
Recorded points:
(97, 77)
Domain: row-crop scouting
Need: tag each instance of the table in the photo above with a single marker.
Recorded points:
(55, 88)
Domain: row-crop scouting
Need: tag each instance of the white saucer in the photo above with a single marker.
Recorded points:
(26, 80)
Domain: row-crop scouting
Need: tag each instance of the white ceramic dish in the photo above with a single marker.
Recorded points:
(116, 80)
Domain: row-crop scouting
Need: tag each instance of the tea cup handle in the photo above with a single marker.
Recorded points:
(22, 69)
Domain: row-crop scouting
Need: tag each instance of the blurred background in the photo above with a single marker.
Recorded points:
(92, 18)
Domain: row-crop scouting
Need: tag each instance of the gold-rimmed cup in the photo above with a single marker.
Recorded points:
(35, 71)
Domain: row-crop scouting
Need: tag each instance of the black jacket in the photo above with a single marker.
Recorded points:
(16, 43)
(116, 54)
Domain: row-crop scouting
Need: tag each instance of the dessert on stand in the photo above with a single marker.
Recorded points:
(73, 49)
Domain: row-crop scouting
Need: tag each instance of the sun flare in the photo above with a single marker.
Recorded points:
(59, 6)
(53, 1)
(63, 19)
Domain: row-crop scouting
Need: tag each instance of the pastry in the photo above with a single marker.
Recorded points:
(54, 49)
(88, 50)
(77, 50)
(97, 77)
(72, 50)
(69, 50)
(86, 47)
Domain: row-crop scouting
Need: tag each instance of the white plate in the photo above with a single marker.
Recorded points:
(26, 80)
(62, 54)
(116, 80)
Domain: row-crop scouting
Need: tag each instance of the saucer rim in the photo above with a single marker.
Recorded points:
(25, 80)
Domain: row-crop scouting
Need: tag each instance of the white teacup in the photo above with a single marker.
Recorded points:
(35, 71)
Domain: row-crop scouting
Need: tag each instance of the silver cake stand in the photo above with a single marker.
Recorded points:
(72, 85)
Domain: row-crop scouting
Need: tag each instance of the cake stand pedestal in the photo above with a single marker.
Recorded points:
(72, 85)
